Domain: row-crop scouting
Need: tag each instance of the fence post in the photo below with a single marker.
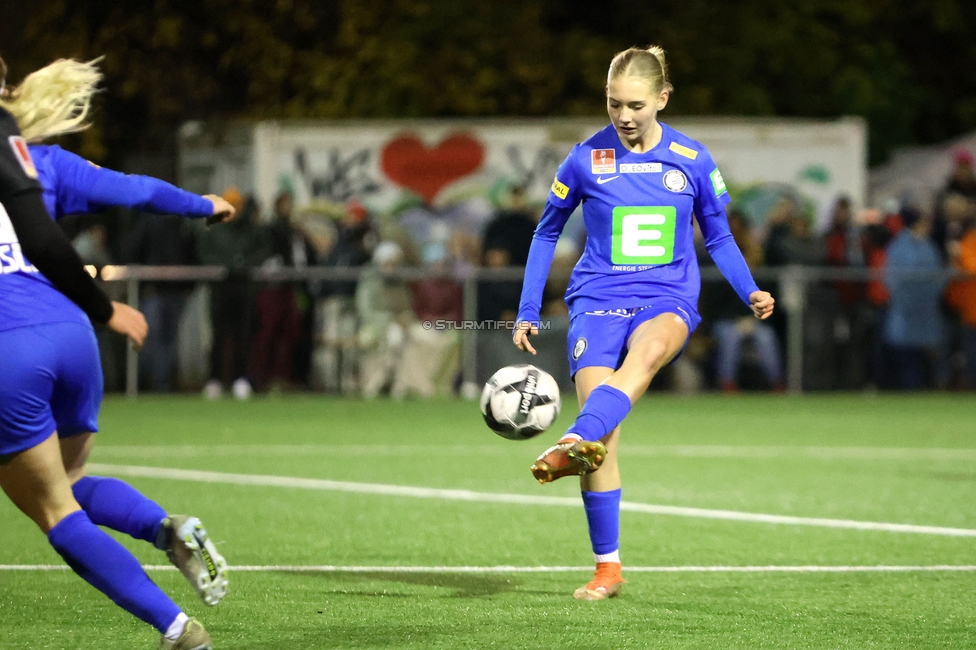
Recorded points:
(131, 356)
(469, 337)
(794, 290)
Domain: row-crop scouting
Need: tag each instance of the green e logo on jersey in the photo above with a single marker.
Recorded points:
(718, 183)
(643, 235)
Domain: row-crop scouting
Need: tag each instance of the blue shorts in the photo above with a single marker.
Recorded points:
(601, 338)
(50, 380)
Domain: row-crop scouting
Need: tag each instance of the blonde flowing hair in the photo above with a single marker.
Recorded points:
(54, 100)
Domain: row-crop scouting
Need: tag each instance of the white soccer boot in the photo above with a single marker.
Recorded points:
(189, 548)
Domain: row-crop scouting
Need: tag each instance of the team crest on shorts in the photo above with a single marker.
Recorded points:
(603, 161)
(579, 348)
(675, 180)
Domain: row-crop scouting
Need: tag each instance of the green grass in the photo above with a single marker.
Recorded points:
(747, 453)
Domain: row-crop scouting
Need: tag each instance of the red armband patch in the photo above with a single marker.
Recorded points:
(22, 154)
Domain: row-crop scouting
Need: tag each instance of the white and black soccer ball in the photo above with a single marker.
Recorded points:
(520, 402)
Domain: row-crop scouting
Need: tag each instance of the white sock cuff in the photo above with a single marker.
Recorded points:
(608, 557)
(176, 627)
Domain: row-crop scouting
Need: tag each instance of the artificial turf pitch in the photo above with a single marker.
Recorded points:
(903, 459)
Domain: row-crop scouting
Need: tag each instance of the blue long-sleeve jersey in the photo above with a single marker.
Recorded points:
(638, 210)
(72, 185)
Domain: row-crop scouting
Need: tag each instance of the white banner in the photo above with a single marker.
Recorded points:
(446, 162)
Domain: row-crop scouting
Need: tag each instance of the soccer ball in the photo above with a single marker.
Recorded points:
(520, 402)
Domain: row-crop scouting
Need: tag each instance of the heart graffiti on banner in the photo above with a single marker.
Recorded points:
(408, 162)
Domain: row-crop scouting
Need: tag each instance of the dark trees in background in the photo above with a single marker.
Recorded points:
(907, 66)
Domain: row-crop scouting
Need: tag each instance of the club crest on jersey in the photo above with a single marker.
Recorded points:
(579, 348)
(675, 180)
(22, 154)
(604, 161)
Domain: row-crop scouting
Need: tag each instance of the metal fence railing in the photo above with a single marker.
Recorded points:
(793, 294)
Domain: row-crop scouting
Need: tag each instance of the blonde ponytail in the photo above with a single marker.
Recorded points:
(648, 64)
(54, 100)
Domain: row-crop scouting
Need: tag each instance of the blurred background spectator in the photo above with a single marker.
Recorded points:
(431, 356)
(913, 327)
(955, 203)
(92, 246)
(791, 238)
(792, 241)
(343, 237)
(732, 325)
(880, 228)
(505, 242)
(280, 307)
(383, 305)
(237, 246)
(962, 297)
(161, 240)
(854, 318)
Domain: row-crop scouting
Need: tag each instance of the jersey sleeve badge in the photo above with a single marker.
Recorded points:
(559, 189)
(718, 183)
(682, 150)
(603, 161)
(22, 154)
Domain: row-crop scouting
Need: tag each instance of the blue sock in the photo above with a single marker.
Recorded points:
(106, 565)
(117, 505)
(603, 517)
(604, 409)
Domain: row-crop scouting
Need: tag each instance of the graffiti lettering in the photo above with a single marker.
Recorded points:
(539, 171)
(342, 178)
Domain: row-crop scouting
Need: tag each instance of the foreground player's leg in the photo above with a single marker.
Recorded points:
(36, 482)
(570, 456)
(575, 453)
(603, 520)
(652, 346)
(115, 504)
(189, 548)
(192, 637)
(601, 501)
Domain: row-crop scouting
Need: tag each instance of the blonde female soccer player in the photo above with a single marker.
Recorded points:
(633, 295)
(50, 376)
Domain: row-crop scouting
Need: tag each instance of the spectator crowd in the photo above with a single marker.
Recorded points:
(907, 327)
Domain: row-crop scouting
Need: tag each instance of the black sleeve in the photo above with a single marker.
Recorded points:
(41, 239)
(48, 248)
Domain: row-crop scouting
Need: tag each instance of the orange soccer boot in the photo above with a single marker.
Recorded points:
(571, 456)
(605, 584)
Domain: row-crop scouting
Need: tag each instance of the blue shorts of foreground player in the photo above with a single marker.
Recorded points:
(50, 379)
(600, 338)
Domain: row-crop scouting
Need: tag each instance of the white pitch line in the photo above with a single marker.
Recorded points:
(520, 499)
(328, 568)
(762, 452)
(758, 452)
